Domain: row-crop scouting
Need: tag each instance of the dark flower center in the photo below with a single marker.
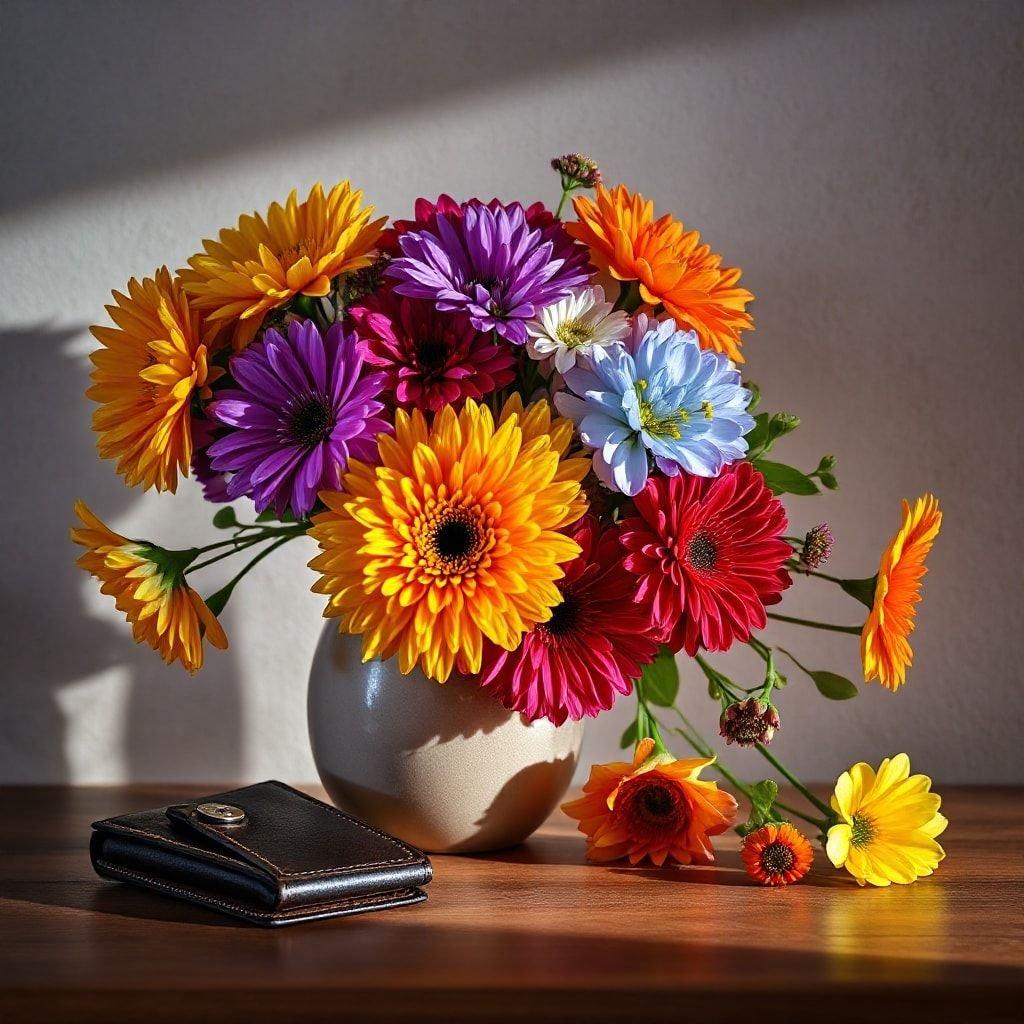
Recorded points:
(432, 354)
(776, 858)
(564, 617)
(454, 540)
(701, 552)
(311, 421)
(656, 803)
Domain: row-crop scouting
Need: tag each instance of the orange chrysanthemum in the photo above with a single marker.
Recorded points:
(453, 538)
(885, 641)
(150, 366)
(148, 585)
(297, 249)
(656, 807)
(777, 854)
(669, 263)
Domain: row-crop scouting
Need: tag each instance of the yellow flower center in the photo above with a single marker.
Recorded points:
(573, 333)
(863, 829)
(294, 253)
(660, 424)
(452, 539)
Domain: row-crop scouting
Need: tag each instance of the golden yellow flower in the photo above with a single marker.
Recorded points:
(656, 807)
(888, 825)
(885, 639)
(297, 249)
(453, 537)
(669, 263)
(148, 585)
(150, 366)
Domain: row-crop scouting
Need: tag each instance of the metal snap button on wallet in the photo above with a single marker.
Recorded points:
(265, 853)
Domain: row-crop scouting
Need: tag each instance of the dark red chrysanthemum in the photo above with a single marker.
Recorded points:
(431, 359)
(593, 646)
(709, 555)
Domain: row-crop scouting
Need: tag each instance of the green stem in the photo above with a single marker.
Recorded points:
(241, 544)
(701, 747)
(852, 630)
(217, 601)
(561, 202)
(793, 780)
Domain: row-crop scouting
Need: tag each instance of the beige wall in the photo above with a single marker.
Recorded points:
(861, 162)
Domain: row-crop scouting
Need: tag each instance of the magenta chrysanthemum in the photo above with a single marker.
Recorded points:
(488, 262)
(431, 359)
(302, 408)
(595, 643)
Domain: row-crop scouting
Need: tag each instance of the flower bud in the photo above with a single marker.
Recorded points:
(577, 171)
(749, 721)
(817, 547)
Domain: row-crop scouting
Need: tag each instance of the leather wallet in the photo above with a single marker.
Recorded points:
(265, 853)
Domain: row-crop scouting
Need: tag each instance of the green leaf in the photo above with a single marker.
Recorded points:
(628, 738)
(780, 424)
(762, 806)
(661, 679)
(755, 395)
(861, 590)
(224, 518)
(827, 464)
(828, 481)
(783, 479)
(757, 437)
(832, 685)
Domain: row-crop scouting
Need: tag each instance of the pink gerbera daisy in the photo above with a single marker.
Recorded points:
(595, 643)
(431, 359)
(709, 555)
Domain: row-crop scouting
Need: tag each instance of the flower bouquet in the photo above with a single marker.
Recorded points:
(526, 452)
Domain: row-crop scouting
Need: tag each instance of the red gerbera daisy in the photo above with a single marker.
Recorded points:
(596, 641)
(709, 554)
(431, 359)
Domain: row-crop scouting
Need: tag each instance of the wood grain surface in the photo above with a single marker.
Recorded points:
(529, 934)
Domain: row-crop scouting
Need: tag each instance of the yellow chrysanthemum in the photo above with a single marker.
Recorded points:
(885, 640)
(670, 265)
(149, 587)
(889, 822)
(453, 538)
(297, 249)
(150, 366)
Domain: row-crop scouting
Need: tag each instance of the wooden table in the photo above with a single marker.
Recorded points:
(529, 934)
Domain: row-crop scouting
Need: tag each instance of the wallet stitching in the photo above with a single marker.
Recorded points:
(241, 908)
(413, 856)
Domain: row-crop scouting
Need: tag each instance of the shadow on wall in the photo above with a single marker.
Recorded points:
(55, 647)
(203, 84)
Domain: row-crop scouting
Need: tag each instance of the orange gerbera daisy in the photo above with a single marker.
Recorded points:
(885, 640)
(777, 854)
(148, 585)
(672, 267)
(150, 366)
(656, 807)
(297, 249)
(453, 538)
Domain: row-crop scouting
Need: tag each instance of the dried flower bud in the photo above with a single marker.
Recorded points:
(361, 283)
(817, 547)
(749, 721)
(577, 171)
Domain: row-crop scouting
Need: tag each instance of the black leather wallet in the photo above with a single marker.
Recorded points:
(265, 853)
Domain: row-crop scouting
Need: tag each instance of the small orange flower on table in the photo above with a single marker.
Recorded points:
(656, 808)
(777, 854)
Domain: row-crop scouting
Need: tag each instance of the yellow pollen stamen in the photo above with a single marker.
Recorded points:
(708, 409)
(573, 333)
(660, 425)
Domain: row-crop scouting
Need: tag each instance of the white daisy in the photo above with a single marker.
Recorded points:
(579, 323)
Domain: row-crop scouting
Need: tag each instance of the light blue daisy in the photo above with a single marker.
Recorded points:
(659, 396)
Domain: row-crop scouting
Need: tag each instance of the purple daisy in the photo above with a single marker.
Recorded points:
(487, 261)
(302, 409)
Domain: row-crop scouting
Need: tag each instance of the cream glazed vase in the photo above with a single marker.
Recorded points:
(446, 768)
